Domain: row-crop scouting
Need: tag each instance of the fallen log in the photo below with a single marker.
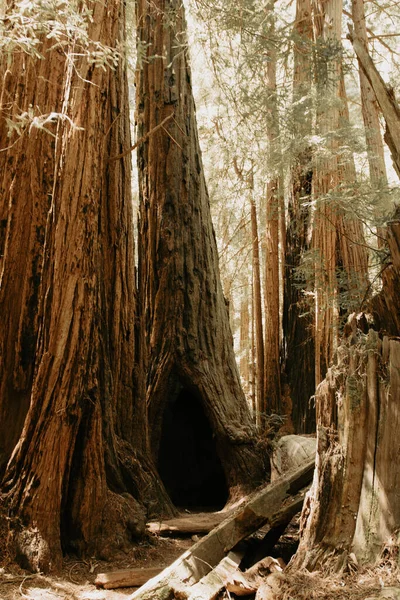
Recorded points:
(262, 507)
(188, 524)
(211, 584)
(269, 589)
(244, 584)
(126, 577)
(276, 528)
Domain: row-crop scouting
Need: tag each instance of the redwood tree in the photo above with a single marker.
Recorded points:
(74, 471)
(26, 185)
(188, 343)
(297, 321)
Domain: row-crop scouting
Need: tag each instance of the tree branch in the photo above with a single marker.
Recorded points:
(143, 138)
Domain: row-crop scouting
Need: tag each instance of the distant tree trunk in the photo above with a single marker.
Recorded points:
(245, 338)
(353, 503)
(385, 98)
(26, 186)
(189, 351)
(297, 321)
(258, 318)
(327, 32)
(338, 239)
(272, 371)
(370, 107)
(67, 480)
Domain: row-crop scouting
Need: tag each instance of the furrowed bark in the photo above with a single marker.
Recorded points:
(188, 344)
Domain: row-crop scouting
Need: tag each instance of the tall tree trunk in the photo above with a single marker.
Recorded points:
(26, 185)
(258, 319)
(272, 371)
(353, 505)
(67, 479)
(385, 98)
(338, 239)
(297, 322)
(189, 356)
(370, 108)
(327, 32)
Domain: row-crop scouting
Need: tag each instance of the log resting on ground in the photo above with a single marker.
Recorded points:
(262, 507)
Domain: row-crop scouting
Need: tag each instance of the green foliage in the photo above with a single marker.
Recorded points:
(37, 27)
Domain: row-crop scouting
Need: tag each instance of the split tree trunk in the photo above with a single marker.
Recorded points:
(67, 480)
(353, 504)
(188, 342)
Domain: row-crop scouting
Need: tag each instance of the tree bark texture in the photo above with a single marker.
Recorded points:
(258, 319)
(353, 503)
(297, 321)
(27, 161)
(338, 241)
(188, 339)
(272, 370)
(69, 477)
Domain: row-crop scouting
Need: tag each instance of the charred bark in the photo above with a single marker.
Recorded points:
(188, 345)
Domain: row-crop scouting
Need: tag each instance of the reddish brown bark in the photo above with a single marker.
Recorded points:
(274, 195)
(68, 479)
(26, 185)
(188, 346)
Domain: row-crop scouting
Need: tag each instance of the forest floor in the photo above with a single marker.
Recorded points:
(76, 579)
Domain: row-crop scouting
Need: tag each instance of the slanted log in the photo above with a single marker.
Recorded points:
(290, 452)
(210, 585)
(261, 508)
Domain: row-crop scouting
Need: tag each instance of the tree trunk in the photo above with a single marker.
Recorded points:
(67, 479)
(385, 97)
(338, 239)
(297, 321)
(272, 371)
(189, 359)
(258, 320)
(352, 506)
(370, 107)
(26, 184)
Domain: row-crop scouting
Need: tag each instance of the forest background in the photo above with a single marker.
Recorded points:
(300, 186)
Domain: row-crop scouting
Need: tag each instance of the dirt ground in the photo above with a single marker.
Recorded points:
(76, 580)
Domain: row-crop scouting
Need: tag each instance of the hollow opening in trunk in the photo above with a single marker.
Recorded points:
(188, 462)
